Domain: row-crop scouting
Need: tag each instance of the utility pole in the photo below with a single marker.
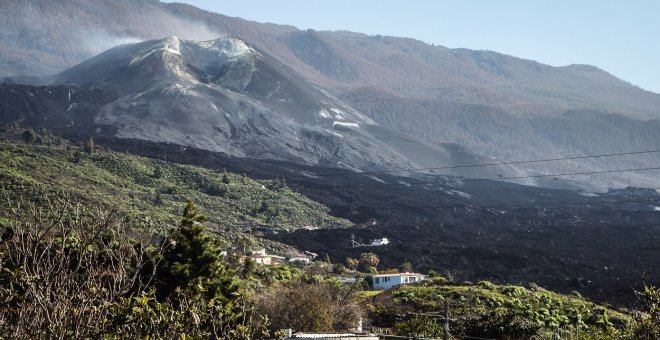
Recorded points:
(445, 336)
(439, 317)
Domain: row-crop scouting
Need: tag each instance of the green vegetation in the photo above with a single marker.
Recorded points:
(150, 191)
(419, 325)
(503, 312)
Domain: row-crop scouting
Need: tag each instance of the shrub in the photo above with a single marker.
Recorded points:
(419, 326)
(486, 285)
(338, 269)
(319, 307)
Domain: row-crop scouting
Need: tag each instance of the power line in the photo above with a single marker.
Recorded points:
(412, 170)
(331, 185)
(560, 175)
(462, 180)
(542, 204)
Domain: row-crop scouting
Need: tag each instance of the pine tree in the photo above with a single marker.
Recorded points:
(193, 262)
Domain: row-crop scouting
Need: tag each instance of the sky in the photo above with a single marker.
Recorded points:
(621, 37)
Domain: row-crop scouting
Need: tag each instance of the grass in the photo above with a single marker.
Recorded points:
(367, 294)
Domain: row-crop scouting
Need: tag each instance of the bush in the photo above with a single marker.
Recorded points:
(486, 285)
(419, 326)
(28, 136)
(368, 260)
(77, 252)
(319, 307)
(338, 269)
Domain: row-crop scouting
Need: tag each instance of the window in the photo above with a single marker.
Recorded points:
(377, 280)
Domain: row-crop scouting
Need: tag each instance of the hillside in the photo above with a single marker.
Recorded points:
(486, 310)
(151, 192)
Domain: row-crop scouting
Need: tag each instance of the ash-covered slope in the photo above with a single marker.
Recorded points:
(223, 95)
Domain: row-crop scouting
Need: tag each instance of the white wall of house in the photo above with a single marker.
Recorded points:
(387, 281)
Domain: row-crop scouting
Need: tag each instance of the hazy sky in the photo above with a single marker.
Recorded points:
(622, 37)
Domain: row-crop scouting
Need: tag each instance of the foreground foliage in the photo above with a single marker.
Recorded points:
(67, 271)
(310, 306)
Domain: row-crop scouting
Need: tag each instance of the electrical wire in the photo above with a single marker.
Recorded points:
(413, 170)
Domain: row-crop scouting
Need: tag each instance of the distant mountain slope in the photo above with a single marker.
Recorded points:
(48, 33)
(221, 95)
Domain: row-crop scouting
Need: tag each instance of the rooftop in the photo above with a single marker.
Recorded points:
(399, 274)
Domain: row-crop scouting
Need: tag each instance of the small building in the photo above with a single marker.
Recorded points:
(387, 281)
(275, 259)
(261, 257)
(261, 252)
(301, 259)
(349, 280)
(380, 242)
(356, 334)
(333, 336)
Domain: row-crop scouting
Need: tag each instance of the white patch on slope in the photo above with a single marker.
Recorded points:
(324, 114)
(376, 179)
(228, 47)
(339, 114)
(588, 194)
(459, 193)
(171, 45)
(346, 124)
(309, 174)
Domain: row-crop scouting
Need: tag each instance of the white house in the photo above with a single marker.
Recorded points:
(261, 257)
(379, 242)
(303, 259)
(387, 281)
